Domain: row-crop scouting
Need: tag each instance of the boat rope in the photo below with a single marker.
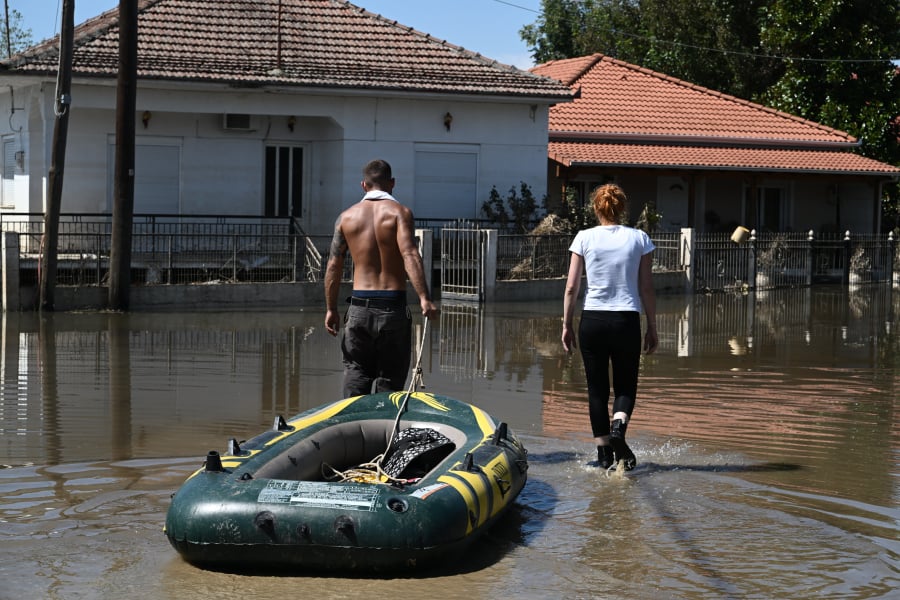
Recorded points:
(414, 381)
(372, 472)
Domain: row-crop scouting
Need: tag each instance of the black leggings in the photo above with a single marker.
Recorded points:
(604, 337)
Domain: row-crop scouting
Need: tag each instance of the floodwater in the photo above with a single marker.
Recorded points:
(766, 432)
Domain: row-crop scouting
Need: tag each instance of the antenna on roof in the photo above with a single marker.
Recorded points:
(278, 39)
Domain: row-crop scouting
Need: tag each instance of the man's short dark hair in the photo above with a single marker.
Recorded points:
(378, 172)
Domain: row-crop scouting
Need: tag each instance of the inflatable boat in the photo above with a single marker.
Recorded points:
(382, 482)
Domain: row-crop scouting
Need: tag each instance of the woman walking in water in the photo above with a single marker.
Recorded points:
(617, 262)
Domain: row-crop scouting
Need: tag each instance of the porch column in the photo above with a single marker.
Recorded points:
(489, 273)
(10, 271)
(426, 249)
(686, 256)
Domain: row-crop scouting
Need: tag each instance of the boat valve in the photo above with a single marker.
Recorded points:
(265, 520)
(214, 462)
(344, 524)
(468, 463)
(501, 433)
(281, 425)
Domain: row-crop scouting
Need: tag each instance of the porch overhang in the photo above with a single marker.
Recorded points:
(578, 154)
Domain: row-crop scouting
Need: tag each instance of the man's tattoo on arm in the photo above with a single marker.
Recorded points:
(338, 244)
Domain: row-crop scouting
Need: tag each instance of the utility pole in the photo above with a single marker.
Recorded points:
(50, 239)
(123, 194)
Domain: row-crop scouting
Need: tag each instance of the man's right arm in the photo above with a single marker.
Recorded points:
(412, 261)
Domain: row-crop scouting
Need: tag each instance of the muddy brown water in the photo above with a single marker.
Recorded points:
(766, 432)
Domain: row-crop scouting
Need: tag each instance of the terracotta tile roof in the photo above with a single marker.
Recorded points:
(621, 98)
(322, 43)
(626, 115)
(717, 158)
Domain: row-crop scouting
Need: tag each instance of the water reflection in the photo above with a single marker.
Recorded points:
(765, 431)
(116, 386)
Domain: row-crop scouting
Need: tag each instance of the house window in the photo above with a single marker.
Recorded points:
(284, 181)
(766, 211)
(584, 186)
(7, 196)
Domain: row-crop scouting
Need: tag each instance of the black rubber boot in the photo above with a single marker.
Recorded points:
(605, 457)
(620, 448)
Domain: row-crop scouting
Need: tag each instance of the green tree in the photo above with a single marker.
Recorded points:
(15, 37)
(555, 35)
(842, 75)
(713, 43)
(517, 212)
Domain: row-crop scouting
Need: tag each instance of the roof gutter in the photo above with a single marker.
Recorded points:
(734, 168)
(694, 140)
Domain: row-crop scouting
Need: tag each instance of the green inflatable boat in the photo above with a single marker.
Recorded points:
(383, 482)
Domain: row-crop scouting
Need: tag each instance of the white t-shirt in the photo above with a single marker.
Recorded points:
(612, 255)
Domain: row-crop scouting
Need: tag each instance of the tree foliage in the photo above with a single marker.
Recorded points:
(516, 212)
(828, 61)
(18, 37)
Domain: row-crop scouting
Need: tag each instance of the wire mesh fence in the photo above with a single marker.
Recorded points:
(533, 256)
(171, 249)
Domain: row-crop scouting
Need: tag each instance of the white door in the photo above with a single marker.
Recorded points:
(445, 186)
(672, 203)
(157, 178)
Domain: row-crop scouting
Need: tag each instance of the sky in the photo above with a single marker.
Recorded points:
(489, 27)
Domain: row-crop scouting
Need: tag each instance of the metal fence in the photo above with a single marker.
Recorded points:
(463, 263)
(546, 256)
(532, 256)
(168, 249)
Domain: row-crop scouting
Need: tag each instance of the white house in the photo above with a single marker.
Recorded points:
(271, 108)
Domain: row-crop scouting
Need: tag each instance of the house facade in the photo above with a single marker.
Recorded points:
(271, 108)
(703, 159)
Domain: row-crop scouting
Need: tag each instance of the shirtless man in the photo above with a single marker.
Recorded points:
(380, 235)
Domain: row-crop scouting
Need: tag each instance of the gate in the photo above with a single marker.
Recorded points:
(462, 264)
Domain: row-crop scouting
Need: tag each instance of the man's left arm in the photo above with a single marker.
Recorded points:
(334, 271)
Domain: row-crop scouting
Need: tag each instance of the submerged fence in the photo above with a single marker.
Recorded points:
(170, 249)
(723, 262)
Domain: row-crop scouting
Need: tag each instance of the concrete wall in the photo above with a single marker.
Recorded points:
(221, 171)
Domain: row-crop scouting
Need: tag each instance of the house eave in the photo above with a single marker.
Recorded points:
(887, 177)
(697, 140)
(20, 80)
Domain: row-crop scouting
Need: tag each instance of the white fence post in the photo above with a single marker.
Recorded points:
(10, 271)
(686, 255)
(426, 250)
(489, 265)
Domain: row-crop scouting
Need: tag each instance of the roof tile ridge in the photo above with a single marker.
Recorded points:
(590, 61)
(731, 98)
(428, 37)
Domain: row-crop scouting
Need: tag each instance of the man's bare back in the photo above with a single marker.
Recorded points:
(376, 232)
(379, 232)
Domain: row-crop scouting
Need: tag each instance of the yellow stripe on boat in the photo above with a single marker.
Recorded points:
(498, 471)
(429, 399)
(485, 422)
(465, 491)
(478, 481)
(326, 413)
